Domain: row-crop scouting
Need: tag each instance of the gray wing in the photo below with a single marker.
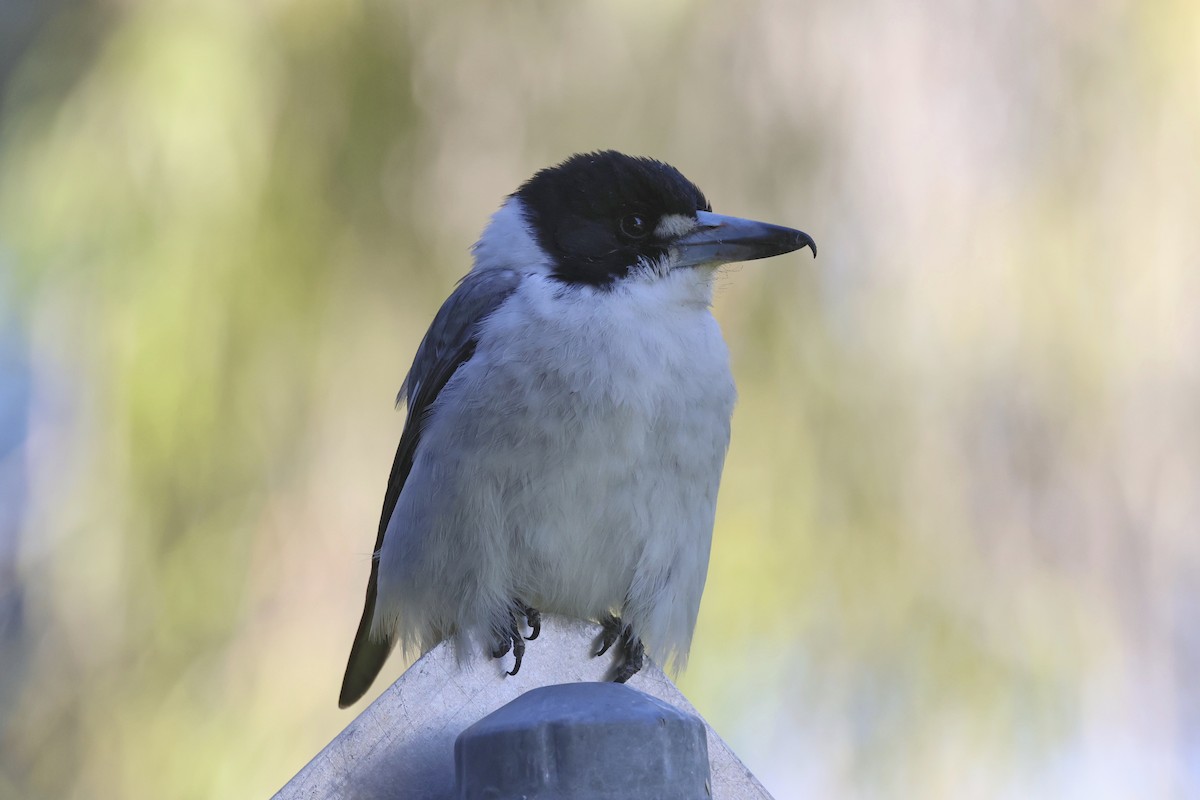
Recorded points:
(448, 344)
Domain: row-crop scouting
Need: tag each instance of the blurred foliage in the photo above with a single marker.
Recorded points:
(956, 551)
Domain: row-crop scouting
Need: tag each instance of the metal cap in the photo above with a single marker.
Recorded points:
(583, 741)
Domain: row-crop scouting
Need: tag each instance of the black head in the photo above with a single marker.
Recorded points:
(595, 214)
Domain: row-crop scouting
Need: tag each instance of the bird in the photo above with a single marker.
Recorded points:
(567, 419)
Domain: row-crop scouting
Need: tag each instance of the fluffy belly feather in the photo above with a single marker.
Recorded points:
(595, 452)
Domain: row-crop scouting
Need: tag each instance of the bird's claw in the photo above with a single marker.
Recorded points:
(632, 649)
(610, 630)
(511, 639)
(635, 656)
(533, 618)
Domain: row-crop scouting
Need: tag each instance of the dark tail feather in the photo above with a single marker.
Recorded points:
(366, 655)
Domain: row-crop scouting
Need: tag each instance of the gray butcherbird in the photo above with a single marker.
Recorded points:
(568, 417)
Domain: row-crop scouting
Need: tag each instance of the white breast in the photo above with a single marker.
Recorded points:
(573, 463)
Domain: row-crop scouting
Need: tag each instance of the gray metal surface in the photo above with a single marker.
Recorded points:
(583, 741)
(401, 747)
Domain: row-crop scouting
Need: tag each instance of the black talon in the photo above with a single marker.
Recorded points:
(632, 649)
(518, 647)
(610, 631)
(512, 639)
(533, 618)
(635, 657)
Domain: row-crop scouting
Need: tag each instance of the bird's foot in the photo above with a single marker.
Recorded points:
(511, 639)
(610, 631)
(632, 650)
(533, 618)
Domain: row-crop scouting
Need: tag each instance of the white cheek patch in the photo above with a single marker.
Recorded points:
(509, 242)
(674, 225)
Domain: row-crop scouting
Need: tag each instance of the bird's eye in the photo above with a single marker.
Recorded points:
(635, 226)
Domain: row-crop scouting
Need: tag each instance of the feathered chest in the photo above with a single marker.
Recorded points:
(649, 351)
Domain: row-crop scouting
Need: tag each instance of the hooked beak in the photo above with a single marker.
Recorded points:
(718, 239)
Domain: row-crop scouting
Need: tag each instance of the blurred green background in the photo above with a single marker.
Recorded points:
(958, 544)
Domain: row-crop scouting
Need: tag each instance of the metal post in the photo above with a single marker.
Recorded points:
(583, 741)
